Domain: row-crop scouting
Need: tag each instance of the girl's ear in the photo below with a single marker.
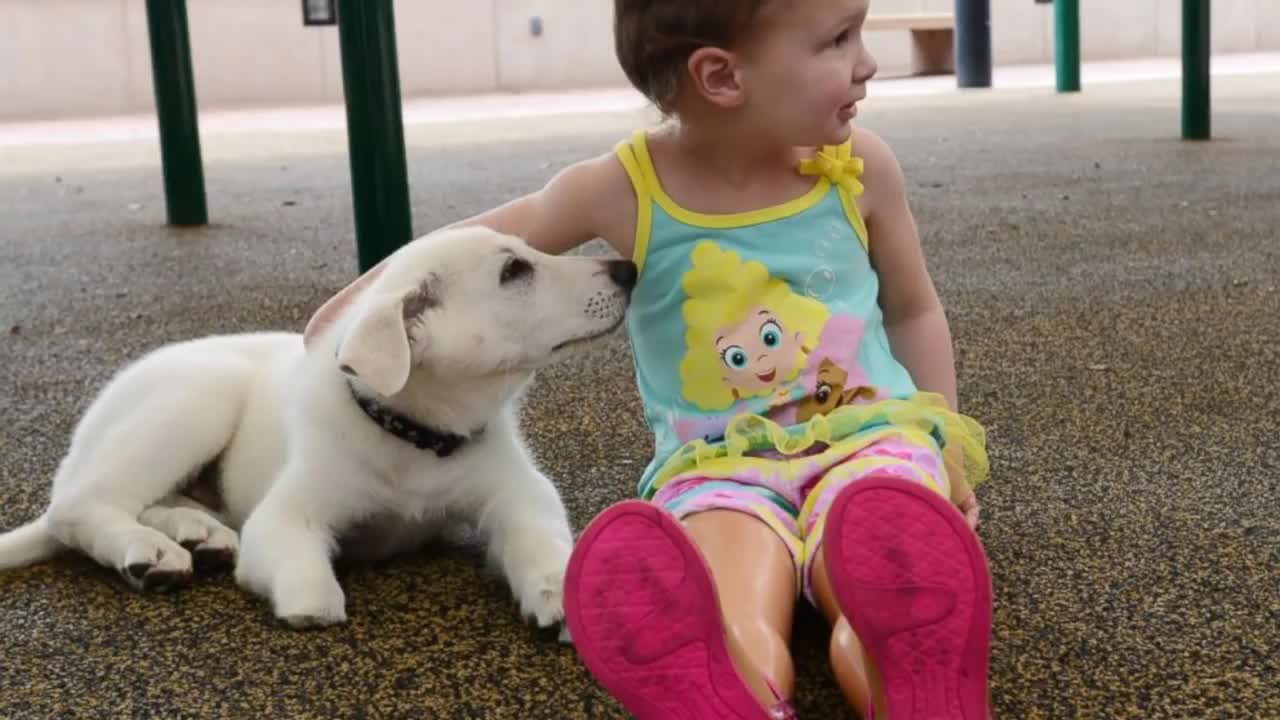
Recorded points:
(715, 75)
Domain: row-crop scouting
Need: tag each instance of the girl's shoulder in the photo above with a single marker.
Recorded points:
(882, 176)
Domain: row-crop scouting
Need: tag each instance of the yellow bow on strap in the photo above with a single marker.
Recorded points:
(835, 164)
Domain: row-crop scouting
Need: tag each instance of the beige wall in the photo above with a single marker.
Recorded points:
(574, 50)
(72, 54)
(92, 56)
(80, 57)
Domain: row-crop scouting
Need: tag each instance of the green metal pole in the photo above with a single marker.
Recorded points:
(375, 129)
(1195, 69)
(1066, 44)
(176, 112)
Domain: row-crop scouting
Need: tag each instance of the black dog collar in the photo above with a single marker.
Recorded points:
(421, 436)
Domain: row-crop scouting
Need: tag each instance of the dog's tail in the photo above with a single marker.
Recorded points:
(28, 544)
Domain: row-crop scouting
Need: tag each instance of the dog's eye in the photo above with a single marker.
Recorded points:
(514, 269)
(823, 393)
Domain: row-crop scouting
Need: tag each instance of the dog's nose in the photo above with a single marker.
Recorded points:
(624, 273)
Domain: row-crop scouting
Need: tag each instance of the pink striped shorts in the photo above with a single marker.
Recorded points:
(791, 494)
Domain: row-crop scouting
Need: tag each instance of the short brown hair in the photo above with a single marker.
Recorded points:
(654, 38)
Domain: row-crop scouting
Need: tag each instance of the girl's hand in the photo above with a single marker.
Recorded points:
(970, 507)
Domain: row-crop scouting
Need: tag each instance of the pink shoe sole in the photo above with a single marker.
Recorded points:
(642, 608)
(913, 582)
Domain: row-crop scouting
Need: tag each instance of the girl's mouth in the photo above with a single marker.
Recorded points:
(769, 376)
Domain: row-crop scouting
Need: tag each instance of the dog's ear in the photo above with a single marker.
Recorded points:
(376, 346)
(333, 308)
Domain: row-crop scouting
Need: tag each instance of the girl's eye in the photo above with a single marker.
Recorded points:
(771, 334)
(841, 39)
(735, 357)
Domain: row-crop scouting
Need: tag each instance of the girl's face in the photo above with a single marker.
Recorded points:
(757, 353)
(805, 69)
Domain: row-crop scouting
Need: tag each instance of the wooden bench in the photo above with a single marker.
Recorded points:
(932, 39)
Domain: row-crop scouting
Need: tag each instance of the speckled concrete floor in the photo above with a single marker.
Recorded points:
(1113, 297)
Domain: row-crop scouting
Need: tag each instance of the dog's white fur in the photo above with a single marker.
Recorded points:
(449, 334)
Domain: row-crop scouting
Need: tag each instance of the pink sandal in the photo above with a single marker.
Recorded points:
(643, 612)
(912, 579)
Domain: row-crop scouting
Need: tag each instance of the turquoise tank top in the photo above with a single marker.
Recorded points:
(771, 312)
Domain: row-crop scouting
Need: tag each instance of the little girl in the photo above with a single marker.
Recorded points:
(795, 367)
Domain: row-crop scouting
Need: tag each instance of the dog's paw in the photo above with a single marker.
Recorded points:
(216, 554)
(318, 618)
(543, 601)
(156, 565)
(310, 602)
(212, 545)
(539, 585)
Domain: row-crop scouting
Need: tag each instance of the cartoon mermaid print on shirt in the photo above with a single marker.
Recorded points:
(747, 334)
(752, 344)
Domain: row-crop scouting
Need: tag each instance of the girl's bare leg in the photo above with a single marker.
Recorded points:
(852, 670)
(755, 579)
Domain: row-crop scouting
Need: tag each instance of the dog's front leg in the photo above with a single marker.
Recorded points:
(286, 550)
(529, 537)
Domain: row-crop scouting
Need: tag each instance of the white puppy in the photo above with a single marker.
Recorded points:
(400, 416)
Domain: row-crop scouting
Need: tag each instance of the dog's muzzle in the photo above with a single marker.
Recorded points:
(623, 273)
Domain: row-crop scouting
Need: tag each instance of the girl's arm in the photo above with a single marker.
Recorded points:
(589, 199)
(580, 203)
(914, 318)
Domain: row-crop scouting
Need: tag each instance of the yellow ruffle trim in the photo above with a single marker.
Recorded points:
(962, 440)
